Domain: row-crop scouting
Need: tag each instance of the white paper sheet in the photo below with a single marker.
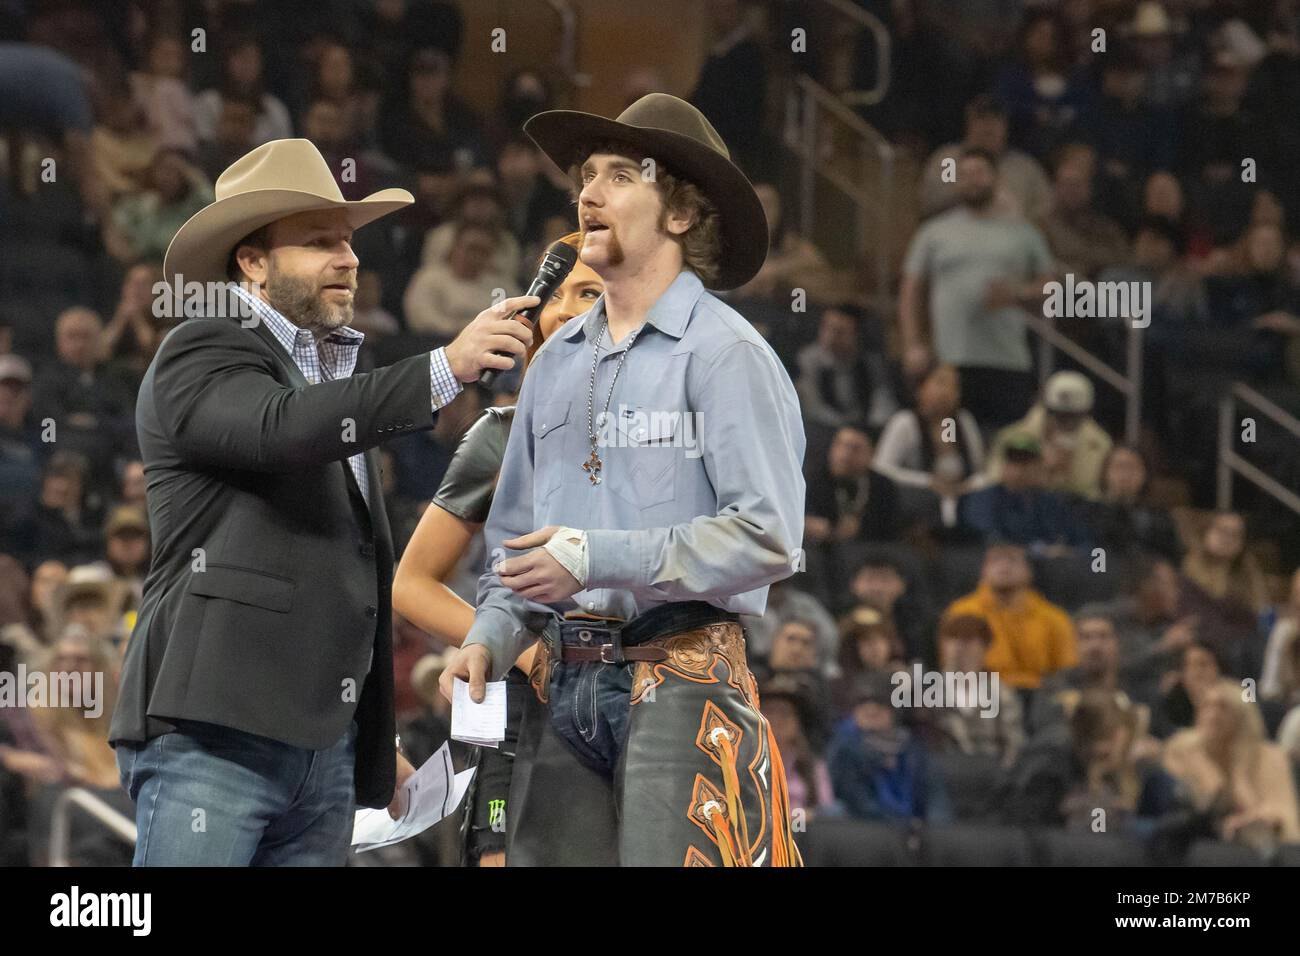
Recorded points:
(431, 794)
(481, 724)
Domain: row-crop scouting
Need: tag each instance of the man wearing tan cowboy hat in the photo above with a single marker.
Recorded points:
(650, 493)
(256, 701)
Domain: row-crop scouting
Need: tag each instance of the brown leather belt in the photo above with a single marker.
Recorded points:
(607, 654)
(614, 641)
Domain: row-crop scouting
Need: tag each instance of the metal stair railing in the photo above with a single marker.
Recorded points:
(1231, 463)
(120, 826)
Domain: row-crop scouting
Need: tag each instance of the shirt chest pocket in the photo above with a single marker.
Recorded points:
(550, 426)
(649, 452)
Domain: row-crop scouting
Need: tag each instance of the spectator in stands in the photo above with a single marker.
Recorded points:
(1032, 637)
(879, 769)
(1199, 669)
(1233, 774)
(785, 603)
(1122, 520)
(785, 704)
(1220, 564)
(91, 599)
(61, 525)
(978, 269)
(1043, 95)
(884, 582)
(849, 500)
(132, 485)
(48, 578)
(242, 82)
(325, 123)
(127, 549)
(732, 85)
(792, 261)
(1281, 677)
(1255, 309)
(142, 224)
(868, 645)
(478, 203)
(1132, 138)
(121, 147)
(1017, 508)
(429, 120)
(530, 198)
(964, 641)
(1023, 189)
(794, 648)
(331, 73)
(839, 381)
(1169, 70)
(936, 443)
(525, 93)
(162, 92)
(1152, 627)
(1074, 447)
(92, 411)
(1064, 780)
(794, 656)
(20, 444)
(1083, 240)
(231, 138)
(1178, 300)
(132, 336)
(1098, 668)
(444, 297)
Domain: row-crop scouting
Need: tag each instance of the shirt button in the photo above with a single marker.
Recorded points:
(543, 424)
(591, 605)
(372, 611)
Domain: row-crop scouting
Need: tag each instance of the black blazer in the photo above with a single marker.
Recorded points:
(282, 624)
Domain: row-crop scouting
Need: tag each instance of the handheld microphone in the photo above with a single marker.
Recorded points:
(555, 268)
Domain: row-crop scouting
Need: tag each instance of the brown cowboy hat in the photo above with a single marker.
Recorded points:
(277, 179)
(675, 133)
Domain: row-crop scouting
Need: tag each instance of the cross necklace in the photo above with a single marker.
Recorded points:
(593, 464)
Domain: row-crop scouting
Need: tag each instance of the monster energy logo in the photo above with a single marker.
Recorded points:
(497, 815)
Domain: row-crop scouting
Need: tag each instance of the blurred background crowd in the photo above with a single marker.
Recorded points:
(975, 504)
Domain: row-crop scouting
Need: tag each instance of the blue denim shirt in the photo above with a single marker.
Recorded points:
(702, 490)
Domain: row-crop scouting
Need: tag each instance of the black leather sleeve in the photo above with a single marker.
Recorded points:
(467, 486)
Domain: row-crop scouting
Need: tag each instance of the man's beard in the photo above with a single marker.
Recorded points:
(303, 303)
(615, 256)
(978, 200)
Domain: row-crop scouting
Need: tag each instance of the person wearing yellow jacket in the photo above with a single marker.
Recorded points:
(1032, 637)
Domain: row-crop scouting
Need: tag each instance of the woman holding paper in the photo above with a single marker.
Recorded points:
(439, 543)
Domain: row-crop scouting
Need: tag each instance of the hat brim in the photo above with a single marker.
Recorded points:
(201, 247)
(562, 135)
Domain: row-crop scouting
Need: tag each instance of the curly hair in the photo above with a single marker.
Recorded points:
(702, 243)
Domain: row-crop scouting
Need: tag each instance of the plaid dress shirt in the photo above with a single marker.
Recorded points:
(334, 357)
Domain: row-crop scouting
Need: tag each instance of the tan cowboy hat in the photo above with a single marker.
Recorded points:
(278, 179)
(673, 132)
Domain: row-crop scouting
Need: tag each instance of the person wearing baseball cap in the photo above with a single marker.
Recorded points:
(258, 683)
(1073, 446)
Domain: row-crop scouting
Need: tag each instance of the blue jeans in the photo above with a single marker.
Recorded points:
(207, 795)
(589, 706)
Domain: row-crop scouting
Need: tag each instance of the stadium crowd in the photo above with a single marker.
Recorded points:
(965, 513)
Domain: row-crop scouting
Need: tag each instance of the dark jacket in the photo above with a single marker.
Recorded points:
(282, 624)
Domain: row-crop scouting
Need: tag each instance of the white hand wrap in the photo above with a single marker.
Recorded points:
(569, 547)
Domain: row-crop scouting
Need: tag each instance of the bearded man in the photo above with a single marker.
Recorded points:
(256, 703)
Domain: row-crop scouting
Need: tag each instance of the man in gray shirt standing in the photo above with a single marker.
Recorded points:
(981, 271)
(650, 493)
